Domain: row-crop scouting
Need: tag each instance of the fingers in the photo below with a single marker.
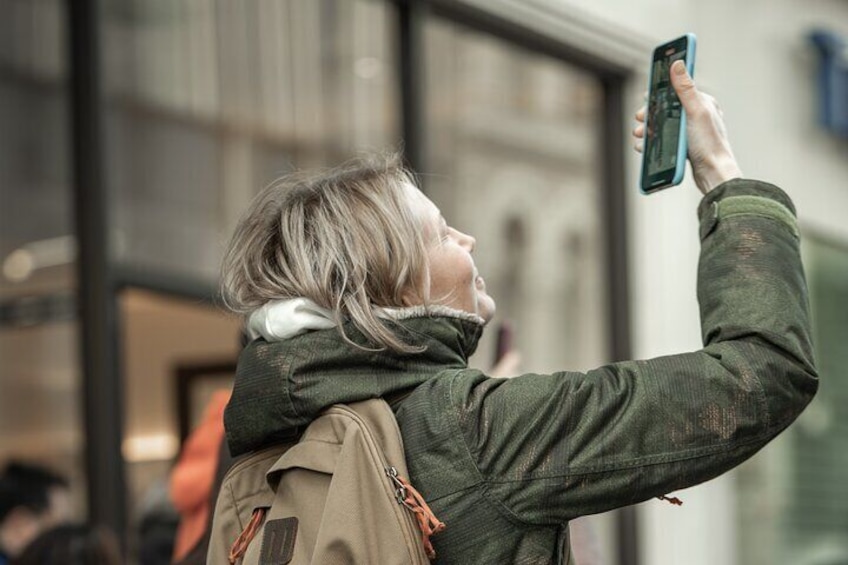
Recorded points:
(639, 130)
(709, 151)
(685, 88)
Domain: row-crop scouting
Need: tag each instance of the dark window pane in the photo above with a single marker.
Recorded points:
(211, 100)
(40, 404)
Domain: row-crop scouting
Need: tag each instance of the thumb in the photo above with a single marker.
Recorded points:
(684, 86)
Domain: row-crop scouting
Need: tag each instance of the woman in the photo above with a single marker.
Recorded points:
(356, 287)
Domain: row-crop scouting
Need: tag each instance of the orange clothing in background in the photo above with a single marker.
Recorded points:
(194, 475)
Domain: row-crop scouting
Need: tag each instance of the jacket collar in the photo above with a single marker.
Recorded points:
(286, 318)
(281, 386)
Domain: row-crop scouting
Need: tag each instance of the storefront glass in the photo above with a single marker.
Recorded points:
(40, 380)
(513, 157)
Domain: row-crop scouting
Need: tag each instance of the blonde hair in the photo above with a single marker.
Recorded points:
(344, 238)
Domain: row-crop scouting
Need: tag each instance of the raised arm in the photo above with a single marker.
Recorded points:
(553, 447)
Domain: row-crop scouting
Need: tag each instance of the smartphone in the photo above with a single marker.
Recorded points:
(664, 150)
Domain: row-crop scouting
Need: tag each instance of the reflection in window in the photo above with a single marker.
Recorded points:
(209, 101)
(514, 150)
(40, 381)
(513, 158)
(36, 239)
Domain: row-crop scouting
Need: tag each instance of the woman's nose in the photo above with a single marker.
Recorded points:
(467, 241)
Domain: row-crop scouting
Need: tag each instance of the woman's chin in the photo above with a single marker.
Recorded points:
(486, 308)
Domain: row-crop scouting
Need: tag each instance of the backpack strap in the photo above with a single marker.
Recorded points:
(243, 541)
(317, 450)
(246, 488)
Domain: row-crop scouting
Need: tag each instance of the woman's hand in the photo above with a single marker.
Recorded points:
(709, 150)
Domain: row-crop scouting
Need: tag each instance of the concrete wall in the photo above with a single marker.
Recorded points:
(754, 57)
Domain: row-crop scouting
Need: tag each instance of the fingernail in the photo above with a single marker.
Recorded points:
(678, 67)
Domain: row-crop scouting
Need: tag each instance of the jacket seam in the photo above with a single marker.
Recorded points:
(455, 422)
(288, 391)
(483, 485)
(768, 333)
(663, 459)
(760, 388)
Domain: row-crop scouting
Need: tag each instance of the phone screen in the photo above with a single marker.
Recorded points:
(664, 119)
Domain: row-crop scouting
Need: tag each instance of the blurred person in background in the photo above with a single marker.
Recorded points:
(354, 286)
(157, 521)
(32, 500)
(195, 480)
(72, 544)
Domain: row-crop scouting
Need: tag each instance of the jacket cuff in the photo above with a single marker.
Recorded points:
(744, 197)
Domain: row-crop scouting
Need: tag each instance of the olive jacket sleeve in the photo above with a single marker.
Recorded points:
(553, 447)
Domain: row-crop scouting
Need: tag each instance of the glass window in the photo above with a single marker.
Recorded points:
(513, 157)
(162, 337)
(36, 240)
(40, 404)
(208, 101)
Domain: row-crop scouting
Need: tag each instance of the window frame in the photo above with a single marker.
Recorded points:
(101, 279)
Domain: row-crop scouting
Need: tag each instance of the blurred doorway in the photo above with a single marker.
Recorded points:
(161, 335)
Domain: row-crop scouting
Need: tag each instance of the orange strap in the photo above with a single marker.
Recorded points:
(239, 547)
(671, 500)
(427, 521)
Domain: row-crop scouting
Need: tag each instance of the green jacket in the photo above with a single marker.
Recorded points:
(506, 463)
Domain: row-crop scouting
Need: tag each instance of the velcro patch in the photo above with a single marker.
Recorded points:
(278, 542)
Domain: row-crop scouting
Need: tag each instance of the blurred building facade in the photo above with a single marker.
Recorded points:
(515, 113)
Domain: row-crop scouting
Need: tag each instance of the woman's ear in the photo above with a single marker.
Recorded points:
(415, 294)
(411, 297)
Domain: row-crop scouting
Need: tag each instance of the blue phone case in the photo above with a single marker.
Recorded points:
(682, 147)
